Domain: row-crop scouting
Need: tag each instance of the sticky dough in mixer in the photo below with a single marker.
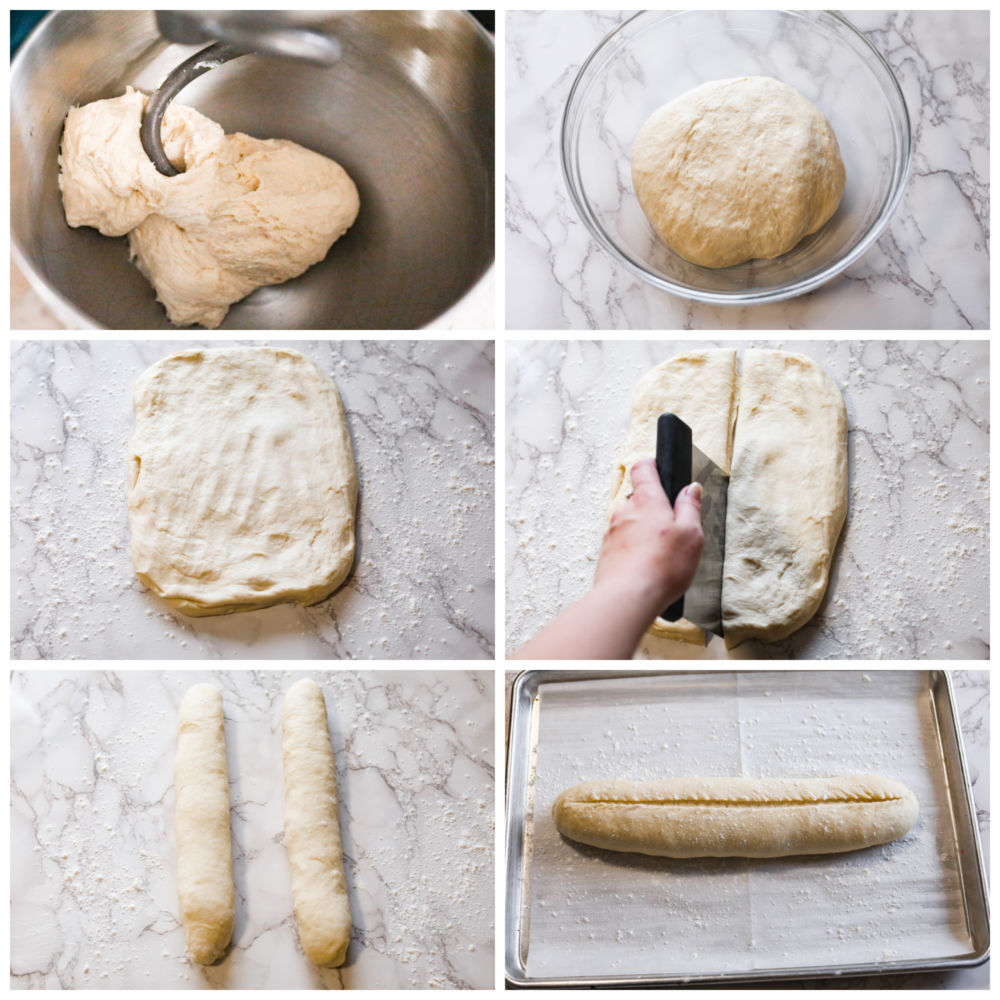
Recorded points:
(244, 213)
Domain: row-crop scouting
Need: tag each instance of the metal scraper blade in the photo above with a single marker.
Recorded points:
(703, 601)
(702, 604)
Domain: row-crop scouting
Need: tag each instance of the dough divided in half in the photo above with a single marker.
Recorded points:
(737, 169)
(786, 443)
(242, 484)
(243, 212)
(700, 387)
(737, 817)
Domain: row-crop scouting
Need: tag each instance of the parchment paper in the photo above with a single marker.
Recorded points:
(603, 913)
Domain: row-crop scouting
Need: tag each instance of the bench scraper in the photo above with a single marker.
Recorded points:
(679, 463)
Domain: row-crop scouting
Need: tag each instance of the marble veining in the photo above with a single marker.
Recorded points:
(93, 855)
(928, 270)
(421, 417)
(910, 577)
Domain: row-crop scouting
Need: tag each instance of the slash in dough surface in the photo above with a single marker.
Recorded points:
(312, 828)
(787, 496)
(700, 387)
(737, 817)
(204, 855)
(242, 483)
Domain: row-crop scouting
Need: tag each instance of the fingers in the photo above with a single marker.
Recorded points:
(646, 485)
(687, 525)
(687, 508)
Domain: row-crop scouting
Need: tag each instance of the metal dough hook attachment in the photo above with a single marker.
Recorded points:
(156, 107)
(239, 33)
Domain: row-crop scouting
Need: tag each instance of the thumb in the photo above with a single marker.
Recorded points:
(687, 506)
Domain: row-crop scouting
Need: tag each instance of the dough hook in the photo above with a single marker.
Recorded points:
(156, 107)
(241, 33)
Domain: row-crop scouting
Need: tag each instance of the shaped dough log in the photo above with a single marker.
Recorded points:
(204, 855)
(700, 387)
(312, 829)
(787, 496)
(736, 817)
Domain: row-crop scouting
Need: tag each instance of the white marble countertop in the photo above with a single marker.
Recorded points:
(93, 857)
(910, 576)
(421, 416)
(929, 270)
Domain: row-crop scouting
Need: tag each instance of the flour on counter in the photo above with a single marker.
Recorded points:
(94, 897)
(910, 576)
(421, 419)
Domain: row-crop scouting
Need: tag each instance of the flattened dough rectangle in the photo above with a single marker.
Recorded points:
(242, 483)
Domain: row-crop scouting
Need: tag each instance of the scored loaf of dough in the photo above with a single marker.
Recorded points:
(312, 828)
(700, 387)
(242, 484)
(736, 817)
(787, 496)
(204, 854)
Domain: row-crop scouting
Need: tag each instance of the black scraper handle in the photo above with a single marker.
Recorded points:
(673, 463)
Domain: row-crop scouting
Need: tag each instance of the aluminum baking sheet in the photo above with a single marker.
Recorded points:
(581, 915)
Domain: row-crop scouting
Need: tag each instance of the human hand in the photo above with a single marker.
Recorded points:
(648, 559)
(649, 548)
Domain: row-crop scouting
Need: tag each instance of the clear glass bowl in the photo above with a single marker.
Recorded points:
(655, 57)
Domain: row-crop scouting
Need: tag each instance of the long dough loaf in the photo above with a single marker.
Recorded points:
(736, 817)
(312, 828)
(204, 855)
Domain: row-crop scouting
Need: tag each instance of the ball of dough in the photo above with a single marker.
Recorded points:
(737, 169)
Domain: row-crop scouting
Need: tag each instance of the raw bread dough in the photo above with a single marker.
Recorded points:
(204, 855)
(700, 387)
(788, 482)
(787, 496)
(243, 213)
(737, 817)
(312, 829)
(242, 483)
(737, 169)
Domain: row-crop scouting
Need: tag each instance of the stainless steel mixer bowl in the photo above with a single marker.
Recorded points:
(408, 112)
